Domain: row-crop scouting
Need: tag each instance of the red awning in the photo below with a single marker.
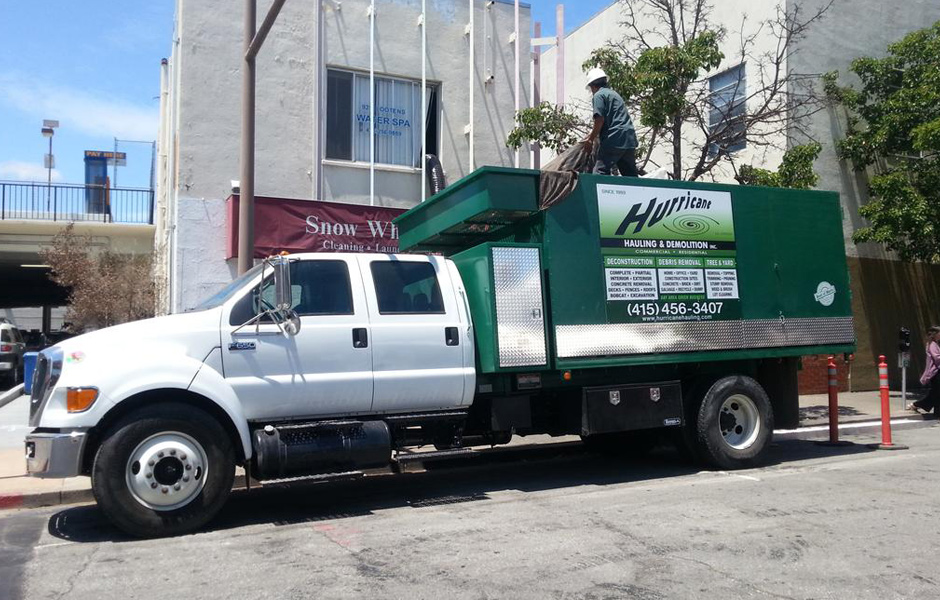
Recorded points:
(314, 226)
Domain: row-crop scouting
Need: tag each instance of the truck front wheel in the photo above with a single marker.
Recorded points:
(163, 470)
(735, 423)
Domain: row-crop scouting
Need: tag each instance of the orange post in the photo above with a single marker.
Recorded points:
(886, 443)
(885, 405)
(833, 402)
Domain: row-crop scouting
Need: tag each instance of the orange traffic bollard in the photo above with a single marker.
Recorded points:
(833, 407)
(886, 443)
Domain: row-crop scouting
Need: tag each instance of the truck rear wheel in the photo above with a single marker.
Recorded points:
(163, 470)
(735, 423)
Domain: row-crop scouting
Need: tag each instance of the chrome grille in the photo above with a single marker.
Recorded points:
(46, 374)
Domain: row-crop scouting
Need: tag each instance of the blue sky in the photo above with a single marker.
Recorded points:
(94, 66)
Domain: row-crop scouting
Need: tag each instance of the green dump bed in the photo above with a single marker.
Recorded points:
(640, 271)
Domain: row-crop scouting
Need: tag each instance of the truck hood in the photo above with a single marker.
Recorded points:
(192, 334)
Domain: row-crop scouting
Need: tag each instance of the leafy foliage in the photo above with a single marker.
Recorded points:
(105, 288)
(795, 171)
(548, 125)
(660, 78)
(894, 130)
(660, 70)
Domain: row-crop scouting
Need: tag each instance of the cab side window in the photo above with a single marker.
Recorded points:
(407, 288)
(318, 287)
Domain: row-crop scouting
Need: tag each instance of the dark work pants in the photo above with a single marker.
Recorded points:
(624, 159)
(930, 401)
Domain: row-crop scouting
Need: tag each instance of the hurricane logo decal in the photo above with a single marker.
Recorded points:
(690, 225)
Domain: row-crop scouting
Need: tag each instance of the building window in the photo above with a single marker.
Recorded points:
(397, 119)
(727, 108)
(407, 288)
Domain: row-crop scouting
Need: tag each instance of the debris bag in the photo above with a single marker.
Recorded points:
(560, 176)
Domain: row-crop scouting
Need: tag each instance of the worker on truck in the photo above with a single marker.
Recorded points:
(612, 126)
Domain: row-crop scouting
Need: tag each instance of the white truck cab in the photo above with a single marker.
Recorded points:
(351, 336)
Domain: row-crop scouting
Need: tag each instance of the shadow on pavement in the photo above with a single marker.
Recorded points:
(821, 411)
(540, 468)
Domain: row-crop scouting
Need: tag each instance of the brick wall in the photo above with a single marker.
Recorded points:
(814, 376)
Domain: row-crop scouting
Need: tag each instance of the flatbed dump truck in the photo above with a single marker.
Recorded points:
(630, 310)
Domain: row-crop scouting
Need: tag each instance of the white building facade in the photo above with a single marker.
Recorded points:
(315, 77)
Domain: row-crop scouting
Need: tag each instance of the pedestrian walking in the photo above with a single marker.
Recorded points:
(612, 127)
(930, 378)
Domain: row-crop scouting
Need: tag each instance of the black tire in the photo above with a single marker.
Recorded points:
(626, 444)
(735, 424)
(109, 477)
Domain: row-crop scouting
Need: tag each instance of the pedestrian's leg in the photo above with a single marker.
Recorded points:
(929, 402)
(932, 401)
(627, 164)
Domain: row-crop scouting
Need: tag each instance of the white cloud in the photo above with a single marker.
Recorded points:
(80, 110)
(25, 171)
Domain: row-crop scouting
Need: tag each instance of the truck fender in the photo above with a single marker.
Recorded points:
(210, 383)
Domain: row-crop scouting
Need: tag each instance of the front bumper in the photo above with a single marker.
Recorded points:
(55, 454)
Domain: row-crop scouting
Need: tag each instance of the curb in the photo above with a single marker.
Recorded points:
(821, 432)
(82, 496)
(40, 499)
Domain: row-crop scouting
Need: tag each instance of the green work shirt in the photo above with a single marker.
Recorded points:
(618, 131)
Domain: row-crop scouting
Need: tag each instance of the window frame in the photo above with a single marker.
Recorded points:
(433, 86)
(269, 277)
(378, 296)
(731, 110)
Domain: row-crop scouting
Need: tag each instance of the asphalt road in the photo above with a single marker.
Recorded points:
(816, 523)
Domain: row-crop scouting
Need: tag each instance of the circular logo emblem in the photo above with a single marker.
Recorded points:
(825, 293)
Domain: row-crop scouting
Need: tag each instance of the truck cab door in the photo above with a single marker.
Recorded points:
(419, 334)
(326, 368)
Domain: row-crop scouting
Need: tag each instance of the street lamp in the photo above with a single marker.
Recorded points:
(48, 130)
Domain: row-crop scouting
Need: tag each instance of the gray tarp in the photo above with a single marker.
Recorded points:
(560, 176)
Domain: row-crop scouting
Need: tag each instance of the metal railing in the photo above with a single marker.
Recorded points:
(69, 202)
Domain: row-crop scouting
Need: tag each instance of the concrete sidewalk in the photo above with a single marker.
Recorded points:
(859, 414)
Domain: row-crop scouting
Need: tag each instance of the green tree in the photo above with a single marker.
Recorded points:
(660, 70)
(894, 133)
(795, 171)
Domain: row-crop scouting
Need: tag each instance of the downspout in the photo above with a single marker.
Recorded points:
(424, 98)
(517, 101)
(372, 103)
(470, 126)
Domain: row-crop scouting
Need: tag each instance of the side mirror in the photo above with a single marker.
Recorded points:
(282, 290)
(283, 296)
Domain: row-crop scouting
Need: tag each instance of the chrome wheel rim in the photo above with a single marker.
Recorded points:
(739, 421)
(167, 471)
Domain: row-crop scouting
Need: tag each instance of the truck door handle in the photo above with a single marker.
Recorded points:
(451, 337)
(360, 337)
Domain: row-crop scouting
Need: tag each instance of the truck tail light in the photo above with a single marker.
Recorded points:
(80, 399)
(6, 348)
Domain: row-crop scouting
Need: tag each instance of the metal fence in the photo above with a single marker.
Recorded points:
(66, 202)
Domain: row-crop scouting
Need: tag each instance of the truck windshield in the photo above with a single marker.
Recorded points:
(225, 293)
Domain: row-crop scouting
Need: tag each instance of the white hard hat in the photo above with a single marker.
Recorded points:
(595, 74)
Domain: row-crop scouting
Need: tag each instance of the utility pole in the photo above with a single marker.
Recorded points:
(246, 185)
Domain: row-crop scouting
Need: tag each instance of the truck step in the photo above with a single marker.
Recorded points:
(411, 457)
(452, 415)
(313, 478)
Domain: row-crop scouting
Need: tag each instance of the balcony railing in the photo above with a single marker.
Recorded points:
(68, 202)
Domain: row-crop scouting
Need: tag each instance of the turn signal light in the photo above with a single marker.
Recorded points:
(566, 375)
(79, 399)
